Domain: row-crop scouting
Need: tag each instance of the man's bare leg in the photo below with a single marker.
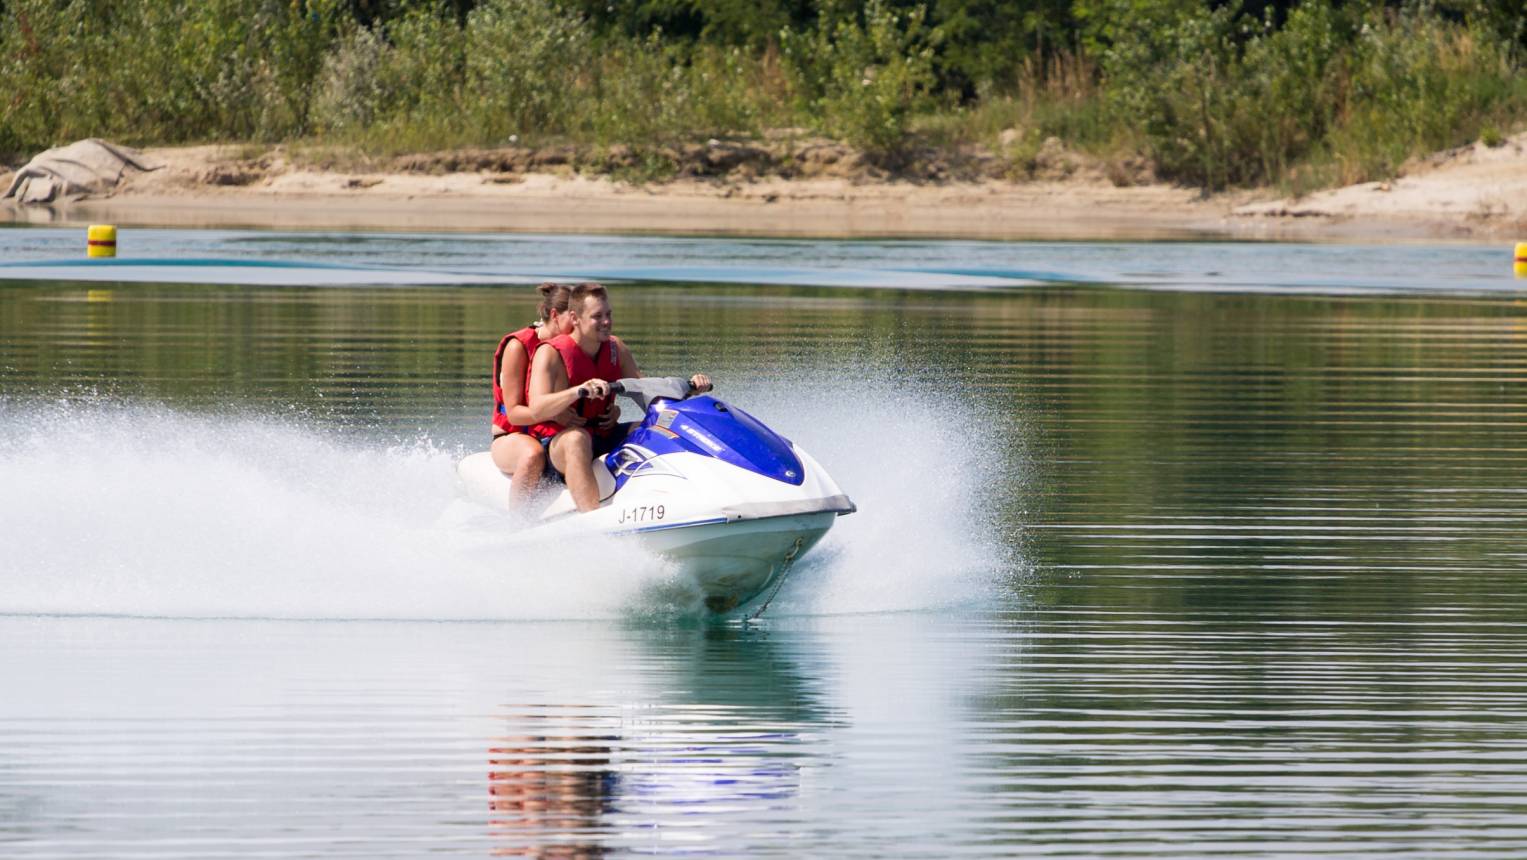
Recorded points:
(572, 452)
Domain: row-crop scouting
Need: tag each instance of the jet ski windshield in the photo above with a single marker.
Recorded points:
(646, 389)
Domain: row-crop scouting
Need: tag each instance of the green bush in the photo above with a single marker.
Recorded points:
(646, 91)
(1173, 76)
(1292, 85)
(641, 93)
(735, 92)
(395, 88)
(1218, 103)
(525, 61)
(1317, 91)
(352, 92)
(177, 71)
(45, 51)
(1418, 85)
(863, 80)
(424, 74)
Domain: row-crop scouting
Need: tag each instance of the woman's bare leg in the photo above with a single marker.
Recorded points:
(527, 476)
(522, 458)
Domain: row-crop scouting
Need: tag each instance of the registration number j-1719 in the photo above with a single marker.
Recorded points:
(642, 514)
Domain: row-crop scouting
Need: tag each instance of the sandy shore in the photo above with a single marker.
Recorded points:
(1474, 193)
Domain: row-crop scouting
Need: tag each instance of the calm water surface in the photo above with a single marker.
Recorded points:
(1203, 570)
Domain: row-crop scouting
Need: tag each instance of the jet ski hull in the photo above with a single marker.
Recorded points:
(732, 563)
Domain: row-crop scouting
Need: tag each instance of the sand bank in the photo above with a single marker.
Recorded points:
(1474, 193)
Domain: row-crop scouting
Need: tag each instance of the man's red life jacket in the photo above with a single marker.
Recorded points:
(580, 369)
(528, 339)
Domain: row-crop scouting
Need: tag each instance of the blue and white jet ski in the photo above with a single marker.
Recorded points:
(701, 483)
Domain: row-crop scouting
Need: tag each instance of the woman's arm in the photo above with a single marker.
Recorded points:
(511, 375)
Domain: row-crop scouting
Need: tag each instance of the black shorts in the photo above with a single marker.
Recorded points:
(603, 444)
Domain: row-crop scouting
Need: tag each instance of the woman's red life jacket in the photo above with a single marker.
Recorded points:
(580, 369)
(528, 339)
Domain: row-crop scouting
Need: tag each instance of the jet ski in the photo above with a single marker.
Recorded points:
(701, 483)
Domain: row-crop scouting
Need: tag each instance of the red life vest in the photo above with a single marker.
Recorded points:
(580, 369)
(528, 339)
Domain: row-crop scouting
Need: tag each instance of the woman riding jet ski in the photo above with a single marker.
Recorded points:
(698, 481)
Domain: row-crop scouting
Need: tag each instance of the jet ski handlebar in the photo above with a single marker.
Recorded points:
(647, 389)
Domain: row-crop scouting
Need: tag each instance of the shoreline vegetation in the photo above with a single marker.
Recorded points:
(1185, 110)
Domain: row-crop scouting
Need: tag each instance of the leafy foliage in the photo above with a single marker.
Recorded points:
(1211, 93)
(1220, 101)
(865, 77)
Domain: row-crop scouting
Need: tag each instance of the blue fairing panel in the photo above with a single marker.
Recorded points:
(707, 426)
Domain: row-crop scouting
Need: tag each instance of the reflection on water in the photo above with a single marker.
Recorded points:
(725, 737)
(1136, 573)
(176, 738)
(549, 794)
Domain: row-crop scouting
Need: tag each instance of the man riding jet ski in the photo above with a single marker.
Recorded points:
(698, 481)
(575, 374)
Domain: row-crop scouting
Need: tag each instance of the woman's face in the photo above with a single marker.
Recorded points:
(561, 322)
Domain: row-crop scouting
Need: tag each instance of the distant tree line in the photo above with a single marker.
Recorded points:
(1211, 93)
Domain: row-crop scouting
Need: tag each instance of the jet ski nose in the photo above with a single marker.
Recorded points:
(734, 436)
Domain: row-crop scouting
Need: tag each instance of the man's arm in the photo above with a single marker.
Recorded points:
(549, 394)
(628, 368)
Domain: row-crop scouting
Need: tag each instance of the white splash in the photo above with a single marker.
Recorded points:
(112, 509)
(929, 477)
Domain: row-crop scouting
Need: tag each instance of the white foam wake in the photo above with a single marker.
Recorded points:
(112, 509)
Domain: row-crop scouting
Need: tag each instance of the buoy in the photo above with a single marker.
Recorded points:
(1521, 260)
(102, 241)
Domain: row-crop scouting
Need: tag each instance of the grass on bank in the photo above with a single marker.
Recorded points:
(1204, 96)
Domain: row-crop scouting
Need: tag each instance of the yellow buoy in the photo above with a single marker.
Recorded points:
(1521, 260)
(102, 241)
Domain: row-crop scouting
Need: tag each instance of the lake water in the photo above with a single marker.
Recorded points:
(1179, 551)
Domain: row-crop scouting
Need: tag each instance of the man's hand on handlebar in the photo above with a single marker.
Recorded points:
(699, 383)
(595, 388)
